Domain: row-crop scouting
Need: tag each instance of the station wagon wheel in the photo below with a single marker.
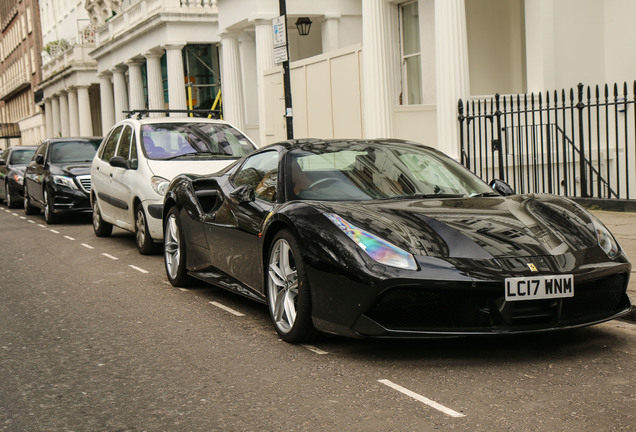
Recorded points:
(100, 226)
(288, 294)
(49, 215)
(28, 208)
(174, 251)
(145, 245)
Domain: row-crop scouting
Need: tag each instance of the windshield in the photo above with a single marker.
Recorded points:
(73, 151)
(192, 140)
(21, 157)
(377, 171)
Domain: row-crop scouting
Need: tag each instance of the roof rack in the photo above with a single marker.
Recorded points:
(216, 114)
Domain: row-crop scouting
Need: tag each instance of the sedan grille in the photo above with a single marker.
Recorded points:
(85, 182)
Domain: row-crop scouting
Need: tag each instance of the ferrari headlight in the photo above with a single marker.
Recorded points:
(159, 185)
(64, 181)
(378, 249)
(605, 239)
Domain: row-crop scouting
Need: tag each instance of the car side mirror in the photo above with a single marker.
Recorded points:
(243, 194)
(120, 162)
(39, 159)
(501, 187)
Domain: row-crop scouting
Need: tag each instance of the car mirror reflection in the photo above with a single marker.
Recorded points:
(243, 194)
(501, 187)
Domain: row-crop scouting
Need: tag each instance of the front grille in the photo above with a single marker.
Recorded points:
(484, 308)
(85, 182)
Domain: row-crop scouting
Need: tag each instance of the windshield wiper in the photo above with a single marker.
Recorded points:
(426, 196)
(182, 155)
(484, 194)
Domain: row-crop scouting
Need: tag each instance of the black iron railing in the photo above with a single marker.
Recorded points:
(578, 146)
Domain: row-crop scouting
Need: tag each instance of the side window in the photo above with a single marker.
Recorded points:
(261, 173)
(124, 143)
(134, 162)
(410, 54)
(5, 156)
(40, 151)
(108, 151)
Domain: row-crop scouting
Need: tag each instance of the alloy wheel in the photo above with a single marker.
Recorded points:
(172, 247)
(282, 285)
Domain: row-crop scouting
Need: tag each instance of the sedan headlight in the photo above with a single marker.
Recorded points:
(378, 249)
(160, 185)
(64, 181)
(18, 179)
(606, 240)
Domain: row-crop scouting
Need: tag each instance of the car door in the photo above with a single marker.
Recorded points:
(35, 173)
(233, 235)
(4, 169)
(101, 176)
(123, 180)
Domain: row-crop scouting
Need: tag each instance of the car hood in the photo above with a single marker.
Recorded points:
(71, 169)
(172, 168)
(479, 228)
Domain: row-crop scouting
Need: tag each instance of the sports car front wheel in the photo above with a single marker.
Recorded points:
(174, 254)
(288, 294)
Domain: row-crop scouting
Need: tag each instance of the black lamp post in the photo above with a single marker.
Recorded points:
(303, 24)
(289, 119)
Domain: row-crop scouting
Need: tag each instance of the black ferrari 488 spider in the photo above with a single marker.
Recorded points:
(386, 238)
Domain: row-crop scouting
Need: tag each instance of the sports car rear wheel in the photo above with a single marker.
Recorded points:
(288, 294)
(174, 254)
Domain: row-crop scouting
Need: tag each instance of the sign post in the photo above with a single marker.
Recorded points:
(281, 55)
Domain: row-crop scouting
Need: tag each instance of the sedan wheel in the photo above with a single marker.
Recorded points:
(145, 245)
(288, 294)
(49, 215)
(174, 252)
(100, 226)
(28, 208)
(8, 200)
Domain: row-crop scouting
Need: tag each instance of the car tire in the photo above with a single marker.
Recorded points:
(174, 250)
(288, 291)
(29, 209)
(49, 214)
(10, 203)
(100, 226)
(145, 244)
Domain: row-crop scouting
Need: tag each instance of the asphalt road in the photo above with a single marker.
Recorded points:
(93, 338)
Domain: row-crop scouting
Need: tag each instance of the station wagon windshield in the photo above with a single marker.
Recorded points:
(189, 140)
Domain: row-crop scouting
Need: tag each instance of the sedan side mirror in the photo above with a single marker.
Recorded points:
(501, 187)
(39, 159)
(120, 162)
(243, 194)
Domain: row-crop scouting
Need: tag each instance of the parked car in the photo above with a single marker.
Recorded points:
(13, 161)
(389, 238)
(139, 157)
(57, 180)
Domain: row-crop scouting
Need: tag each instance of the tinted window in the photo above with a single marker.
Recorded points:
(73, 151)
(261, 173)
(191, 140)
(124, 143)
(21, 157)
(108, 150)
(41, 150)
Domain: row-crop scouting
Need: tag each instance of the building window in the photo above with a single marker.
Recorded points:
(411, 55)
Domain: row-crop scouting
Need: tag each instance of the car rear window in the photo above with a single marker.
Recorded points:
(21, 157)
(73, 151)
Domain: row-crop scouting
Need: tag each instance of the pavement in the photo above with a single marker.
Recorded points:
(623, 226)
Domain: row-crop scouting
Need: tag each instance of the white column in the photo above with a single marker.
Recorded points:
(136, 84)
(107, 102)
(232, 83)
(120, 91)
(64, 121)
(264, 60)
(176, 79)
(55, 103)
(451, 47)
(155, 81)
(73, 114)
(330, 29)
(376, 69)
(48, 117)
(85, 115)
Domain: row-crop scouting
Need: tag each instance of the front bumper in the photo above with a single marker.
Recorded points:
(463, 297)
(67, 200)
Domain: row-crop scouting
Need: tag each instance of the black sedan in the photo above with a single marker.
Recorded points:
(12, 163)
(390, 239)
(58, 178)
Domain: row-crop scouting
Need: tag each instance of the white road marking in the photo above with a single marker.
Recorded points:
(69, 238)
(15, 214)
(138, 269)
(54, 232)
(87, 246)
(227, 309)
(183, 289)
(42, 225)
(422, 399)
(30, 221)
(22, 217)
(314, 349)
(114, 258)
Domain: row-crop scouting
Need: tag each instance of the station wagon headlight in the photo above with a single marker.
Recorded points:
(606, 240)
(378, 249)
(64, 181)
(159, 185)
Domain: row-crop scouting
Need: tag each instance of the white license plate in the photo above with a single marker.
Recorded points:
(539, 287)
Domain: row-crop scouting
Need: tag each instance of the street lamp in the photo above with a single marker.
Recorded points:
(303, 24)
